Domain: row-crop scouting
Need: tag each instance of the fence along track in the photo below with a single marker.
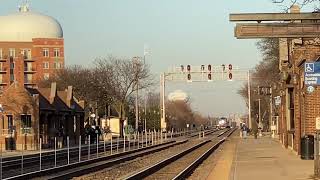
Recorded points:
(77, 169)
(12, 165)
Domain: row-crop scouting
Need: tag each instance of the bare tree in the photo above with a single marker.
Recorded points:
(122, 75)
(287, 4)
(111, 81)
(266, 73)
(179, 114)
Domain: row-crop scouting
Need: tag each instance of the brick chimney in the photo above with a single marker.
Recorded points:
(53, 92)
(36, 99)
(69, 96)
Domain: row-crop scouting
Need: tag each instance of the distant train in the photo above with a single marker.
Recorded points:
(223, 122)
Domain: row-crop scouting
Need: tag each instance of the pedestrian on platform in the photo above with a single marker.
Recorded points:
(244, 131)
(241, 124)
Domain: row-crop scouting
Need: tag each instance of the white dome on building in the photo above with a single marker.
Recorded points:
(24, 25)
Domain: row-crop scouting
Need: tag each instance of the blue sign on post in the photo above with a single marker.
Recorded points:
(312, 74)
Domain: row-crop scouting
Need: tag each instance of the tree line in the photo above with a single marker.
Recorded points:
(109, 86)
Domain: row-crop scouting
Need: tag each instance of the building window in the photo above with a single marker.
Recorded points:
(28, 66)
(26, 53)
(46, 65)
(11, 78)
(57, 65)
(12, 52)
(56, 52)
(1, 66)
(1, 54)
(28, 78)
(12, 65)
(45, 52)
(46, 76)
(26, 124)
(1, 78)
(10, 124)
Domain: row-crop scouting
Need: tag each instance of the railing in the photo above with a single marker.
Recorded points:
(5, 132)
(28, 58)
(11, 131)
(3, 69)
(26, 131)
(29, 69)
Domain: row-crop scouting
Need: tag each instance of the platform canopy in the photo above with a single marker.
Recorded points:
(283, 25)
(273, 17)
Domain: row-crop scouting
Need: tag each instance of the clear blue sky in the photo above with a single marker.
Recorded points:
(177, 32)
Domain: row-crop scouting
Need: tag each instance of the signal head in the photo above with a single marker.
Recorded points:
(230, 76)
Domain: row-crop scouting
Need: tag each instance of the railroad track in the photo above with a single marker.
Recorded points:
(116, 172)
(76, 164)
(182, 164)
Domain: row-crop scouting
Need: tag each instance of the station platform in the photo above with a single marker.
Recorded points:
(263, 159)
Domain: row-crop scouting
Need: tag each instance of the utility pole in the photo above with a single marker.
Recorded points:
(162, 102)
(271, 109)
(137, 108)
(249, 100)
(145, 113)
(260, 123)
(259, 100)
(135, 63)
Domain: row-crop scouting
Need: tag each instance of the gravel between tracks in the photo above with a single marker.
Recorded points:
(128, 167)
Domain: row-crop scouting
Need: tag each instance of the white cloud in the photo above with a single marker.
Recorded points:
(178, 95)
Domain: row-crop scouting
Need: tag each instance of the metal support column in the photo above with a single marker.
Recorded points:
(249, 100)
(162, 102)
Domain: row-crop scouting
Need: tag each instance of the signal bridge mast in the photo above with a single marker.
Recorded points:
(202, 73)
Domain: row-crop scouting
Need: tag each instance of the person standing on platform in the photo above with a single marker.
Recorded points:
(241, 124)
(244, 131)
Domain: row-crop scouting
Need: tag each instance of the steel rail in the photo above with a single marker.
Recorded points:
(156, 167)
(80, 168)
(15, 162)
(194, 165)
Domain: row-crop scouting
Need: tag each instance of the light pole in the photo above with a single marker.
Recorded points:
(163, 123)
(136, 63)
(249, 100)
(145, 112)
(260, 123)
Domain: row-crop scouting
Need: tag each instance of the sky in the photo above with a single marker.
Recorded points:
(176, 31)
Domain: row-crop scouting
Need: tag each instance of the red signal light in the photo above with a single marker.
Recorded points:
(189, 77)
(230, 76)
(189, 68)
(209, 68)
(230, 67)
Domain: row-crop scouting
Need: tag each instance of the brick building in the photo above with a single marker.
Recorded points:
(299, 108)
(31, 47)
(29, 114)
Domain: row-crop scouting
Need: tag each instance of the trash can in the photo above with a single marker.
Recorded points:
(10, 143)
(307, 147)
